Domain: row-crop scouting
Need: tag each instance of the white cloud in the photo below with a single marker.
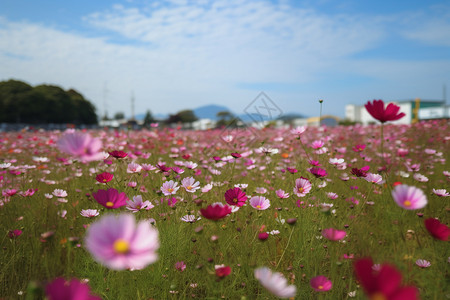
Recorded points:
(186, 54)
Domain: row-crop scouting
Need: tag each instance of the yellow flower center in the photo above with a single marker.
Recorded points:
(258, 206)
(109, 204)
(170, 190)
(189, 188)
(105, 180)
(300, 190)
(320, 287)
(407, 203)
(235, 200)
(378, 296)
(121, 246)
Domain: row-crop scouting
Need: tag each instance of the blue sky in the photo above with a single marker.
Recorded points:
(180, 54)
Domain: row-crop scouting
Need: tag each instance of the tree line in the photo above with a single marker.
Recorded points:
(22, 103)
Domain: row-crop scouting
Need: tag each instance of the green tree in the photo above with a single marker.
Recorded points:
(20, 102)
(184, 116)
(148, 118)
(119, 115)
(10, 98)
(225, 117)
(187, 116)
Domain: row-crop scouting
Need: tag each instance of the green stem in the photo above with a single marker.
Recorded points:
(284, 251)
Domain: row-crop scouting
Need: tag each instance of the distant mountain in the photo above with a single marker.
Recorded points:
(291, 116)
(209, 111)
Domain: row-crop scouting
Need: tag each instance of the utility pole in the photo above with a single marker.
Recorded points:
(444, 100)
(105, 105)
(132, 105)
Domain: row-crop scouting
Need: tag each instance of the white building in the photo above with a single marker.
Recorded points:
(415, 110)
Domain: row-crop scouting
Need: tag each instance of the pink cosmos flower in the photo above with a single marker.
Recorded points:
(190, 185)
(423, 263)
(321, 284)
(180, 266)
(236, 197)
(215, 211)
(60, 193)
(9, 192)
(374, 178)
(207, 188)
(60, 289)
(333, 234)
(81, 145)
(302, 187)
(298, 130)
(119, 243)
(89, 213)
(419, 177)
(148, 167)
(138, 204)
(260, 202)
(281, 194)
(28, 193)
(317, 144)
(178, 170)
(332, 195)
(110, 198)
(441, 192)
(169, 188)
(261, 190)
(134, 168)
(409, 197)
(377, 111)
(275, 283)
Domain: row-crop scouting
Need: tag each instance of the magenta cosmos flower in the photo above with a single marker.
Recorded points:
(321, 284)
(235, 197)
(110, 198)
(437, 229)
(222, 271)
(119, 243)
(104, 177)
(260, 202)
(60, 289)
(118, 154)
(215, 211)
(81, 145)
(383, 284)
(275, 283)
(409, 197)
(318, 172)
(377, 111)
(333, 234)
(302, 187)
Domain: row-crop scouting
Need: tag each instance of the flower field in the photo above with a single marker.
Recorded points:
(306, 213)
